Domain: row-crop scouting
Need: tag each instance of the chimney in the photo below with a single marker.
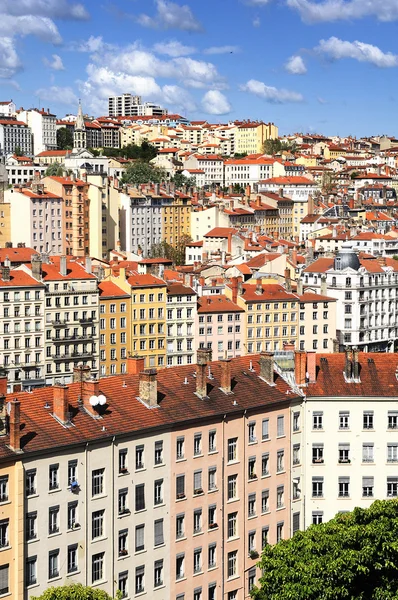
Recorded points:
(258, 201)
(88, 264)
(300, 359)
(60, 403)
(6, 274)
(15, 426)
(90, 388)
(380, 259)
(355, 363)
(259, 287)
(234, 288)
(289, 346)
(267, 367)
(288, 282)
(229, 247)
(311, 367)
(81, 373)
(226, 375)
(3, 383)
(248, 191)
(36, 263)
(203, 357)
(240, 286)
(300, 287)
(324, 289)
(135, 364)
(348, 363)
(148, 391)
(62, 266)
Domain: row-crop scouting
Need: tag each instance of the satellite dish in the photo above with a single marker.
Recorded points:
(8, 407)
(101, 399)
(93, 400)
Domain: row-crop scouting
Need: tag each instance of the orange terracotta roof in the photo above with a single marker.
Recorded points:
(178, 289)
(145, 280)
(74, 270)
(17, 255)
(53, 153)
(221, 232)
(290, 181)
(217, 304)
(20, 278)
(271, 292)
(108, 289)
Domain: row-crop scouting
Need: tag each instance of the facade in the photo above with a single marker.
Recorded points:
(250, 136)
(317, 323)
(43, 126)
(115, 328)
(7, 108)
(251, 169)
(212, 165)
(220, 326)
(180, 323)
(104, 215)
(127, 105)
(15, 134)
(20, 170)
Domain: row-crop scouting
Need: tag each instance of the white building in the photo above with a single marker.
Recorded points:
(212, 165)
(15, 134)
(251, 170)
(180, 322)
(7, 108)
(21, 170)
(127, 105)
(43, 125)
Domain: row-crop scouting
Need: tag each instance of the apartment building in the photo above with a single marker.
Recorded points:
(76, 216)
(251, 169)
(103, 215)
(212, 165)
(71, 317)
(22, 327)
(43, 125)
(21, 169)
(15, 134)
(366, 294)
(37, 218)
(176, 217)
(317, 322)
(115, 328)
(127, 105)
(220, 326)
(180, 323)
(194, 532)
(250, 136)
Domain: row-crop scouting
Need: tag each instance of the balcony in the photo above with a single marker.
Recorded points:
(59, 323)
(86, 320)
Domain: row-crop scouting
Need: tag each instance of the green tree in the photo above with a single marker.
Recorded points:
(75, 591)
(328, 182)
(64, 139)
(240, 154)
(141, 172)
(276, 146)
(174, 253)
(54, 169)
(18, 151)
(352, 557)
(180, 180)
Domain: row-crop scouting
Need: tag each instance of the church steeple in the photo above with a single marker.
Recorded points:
(79, 135)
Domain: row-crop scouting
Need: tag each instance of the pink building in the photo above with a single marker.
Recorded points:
(220, 326)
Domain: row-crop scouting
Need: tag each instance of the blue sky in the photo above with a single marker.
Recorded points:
(325, 66)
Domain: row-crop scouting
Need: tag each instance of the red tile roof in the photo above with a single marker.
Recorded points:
(145, 280)
(17, 255)
(179, 289)
(53, 153)
(108, 289)
(74, 270)
(290, 181)
(221, 232)
(271, 292)
(18, 277)
(217, 304)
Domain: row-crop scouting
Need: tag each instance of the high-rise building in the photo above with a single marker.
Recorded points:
(127, 105)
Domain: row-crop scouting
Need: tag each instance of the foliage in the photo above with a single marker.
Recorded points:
(174, 253)
(64, 139)
(18, 151)
(141, 172)
(395, 256)
(240, 154)
(54, 169)
(352, 557)
(180, 180)
(276, 146)
(328, 182)
(354, 175)
(76, 591)
(145, 153)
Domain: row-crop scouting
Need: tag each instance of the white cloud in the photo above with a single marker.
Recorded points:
(56, 63)
(257, 2)
(54, 9)
(9, 61)
(269, 93)
(215, 103)
(41, 27)
(256, 22)
(57, 95)
(173, 48)
(221, 50)
(338, 10)
(170, 15)
(295, 65)
(93, 44)
(322, 100)
(338, 49)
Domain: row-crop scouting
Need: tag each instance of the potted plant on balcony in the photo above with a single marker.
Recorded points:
(253, 554)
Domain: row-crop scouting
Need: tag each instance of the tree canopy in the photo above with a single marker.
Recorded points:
(174, 253)
(276, 146)
(64, 139)
(352, 557)
(145, 153)
(141, 172)
(75, 591)
(180, 180)
(54, 169)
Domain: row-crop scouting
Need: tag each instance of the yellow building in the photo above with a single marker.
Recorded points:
(176, 217)
(309, 160)
(271, 314)
(148, 297)
(5, 223)
(250, 137)
(12, 529)
(104, 215)
(115, 328)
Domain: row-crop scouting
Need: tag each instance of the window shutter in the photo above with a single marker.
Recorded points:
(4, 579)
(296, 522)
(265, 432)
(159, 532)
(140, 497)
(139, 537)
(180, 484)
(367, 481)
(197, 480)
(281, 426)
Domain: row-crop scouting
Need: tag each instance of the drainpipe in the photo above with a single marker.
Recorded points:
(223, 510)
(245, 473)
(113, 515)
(87, 513)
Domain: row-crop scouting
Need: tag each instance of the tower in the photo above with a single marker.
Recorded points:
(79, 135)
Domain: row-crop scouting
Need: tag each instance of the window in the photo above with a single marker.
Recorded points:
(232, 563)
(197, 594)
(344, 420)
(30, 573)
(122, 584)
(280, 496)
(368, 419)
(30, 482)
(212, 591)
(392, 419)
(296, 454)
(252, 432)
(4, 533)
(232, 449)
(252, 468)
(180, 487)
(212, 478)
(197, 560)
(123, 461)
(72, 515)
(158, 492)
(211, 555)
(265, 501)
(53, 567)
(265, 465)
(251, 505)
(317, 420)
(53, 520)
(317, 517)
(180, 566)
(180, 526)
(158, 573)
(233, 595)
(4, 488)
(4, 575)
(279, 532)
(180, 448)
(140, 497)
(367, 452)
(98, 482)
(280, 460)
(344, 487)
(197, 444)
(281, 426)
(139, 457)
(53, 477)
(344, 453)
(317, 487)
(392, 487)
(72, 472)
(122, 502)
(31, 526)
(158, 530)
(265, 429)
(158, 453)
(212, 441)
(392, 452)
(197, 520)
(97, 524)
(367, 487)
(232, 524)
(251, 541)
(251, 579)
(72, 559)
(139, 538)
(296, 421)
(317, 453)
(232, 487)
(139, 579)
(212, 516)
